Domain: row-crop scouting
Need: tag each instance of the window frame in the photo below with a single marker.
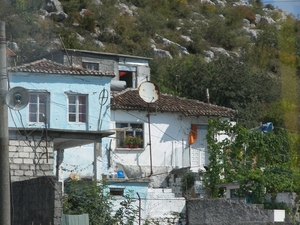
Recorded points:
(38, 110)
(77, 105)
(124, 129)
(93, 65)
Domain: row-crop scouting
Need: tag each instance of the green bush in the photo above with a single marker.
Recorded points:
(90, 197)
(187, 182)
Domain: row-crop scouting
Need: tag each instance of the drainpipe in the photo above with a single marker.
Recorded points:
(5, 204)
(150, 148)
(139, 207)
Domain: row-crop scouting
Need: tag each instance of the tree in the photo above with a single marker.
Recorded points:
(231, 83)
(187, 182)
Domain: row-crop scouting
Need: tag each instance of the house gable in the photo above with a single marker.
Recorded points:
(129, 70)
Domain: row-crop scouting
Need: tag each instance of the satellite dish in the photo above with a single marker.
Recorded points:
(17, 98)
(149, 92)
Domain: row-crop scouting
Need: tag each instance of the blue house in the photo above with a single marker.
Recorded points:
(129, 72)
(67, 107)
(69, 110)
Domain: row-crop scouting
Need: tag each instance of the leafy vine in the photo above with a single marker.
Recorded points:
(260, 163)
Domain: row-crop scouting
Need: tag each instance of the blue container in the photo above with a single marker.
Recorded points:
(120, 174)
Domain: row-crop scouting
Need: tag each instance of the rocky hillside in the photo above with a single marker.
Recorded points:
(233, 48)
(146, 28)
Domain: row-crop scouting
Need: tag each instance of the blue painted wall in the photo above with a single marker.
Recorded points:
(132, 188)
(58, 86)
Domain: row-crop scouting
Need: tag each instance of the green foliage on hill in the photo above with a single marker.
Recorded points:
(255, 76)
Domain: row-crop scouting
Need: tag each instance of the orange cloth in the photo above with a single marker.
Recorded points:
(193, 134)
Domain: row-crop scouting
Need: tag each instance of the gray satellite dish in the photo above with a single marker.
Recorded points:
(149, 92)
(17, 98)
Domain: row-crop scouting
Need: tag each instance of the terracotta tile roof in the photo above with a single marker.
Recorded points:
(129, 99)
(48, 66)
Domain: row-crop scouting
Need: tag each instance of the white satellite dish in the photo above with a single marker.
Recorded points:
(17, 98)
(149, 92)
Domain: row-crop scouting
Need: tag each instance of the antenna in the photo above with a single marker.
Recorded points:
(149, 92)
(17, 98)
(103, 97)
(63, 45)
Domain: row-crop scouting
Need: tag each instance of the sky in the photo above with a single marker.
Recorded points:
(290, 6)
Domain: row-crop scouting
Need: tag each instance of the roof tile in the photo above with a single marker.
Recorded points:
(50, 67)
(129, 99)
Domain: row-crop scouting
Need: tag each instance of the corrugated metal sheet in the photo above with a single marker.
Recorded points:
(82, 219)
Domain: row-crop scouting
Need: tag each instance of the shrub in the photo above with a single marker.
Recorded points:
(269, 6)
(187, 182)
(248, 13)
(90, 197)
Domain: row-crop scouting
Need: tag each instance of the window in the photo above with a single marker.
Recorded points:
(77, 108)
(234, 193)
(116, 191)
(90, 66)
(129, 135)
(38, 107)
(128, 77)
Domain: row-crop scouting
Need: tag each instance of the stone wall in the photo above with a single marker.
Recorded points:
(164, 208)
(37, 202)
(291, 200)
(30, 159)
(226, 211)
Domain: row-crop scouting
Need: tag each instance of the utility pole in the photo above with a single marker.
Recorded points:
(5, 206)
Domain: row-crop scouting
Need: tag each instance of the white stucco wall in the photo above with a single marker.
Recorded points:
(169, 137)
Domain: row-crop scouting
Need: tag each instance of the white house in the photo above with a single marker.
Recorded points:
(173, 131)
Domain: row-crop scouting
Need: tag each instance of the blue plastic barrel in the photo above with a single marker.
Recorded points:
(120, 174)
